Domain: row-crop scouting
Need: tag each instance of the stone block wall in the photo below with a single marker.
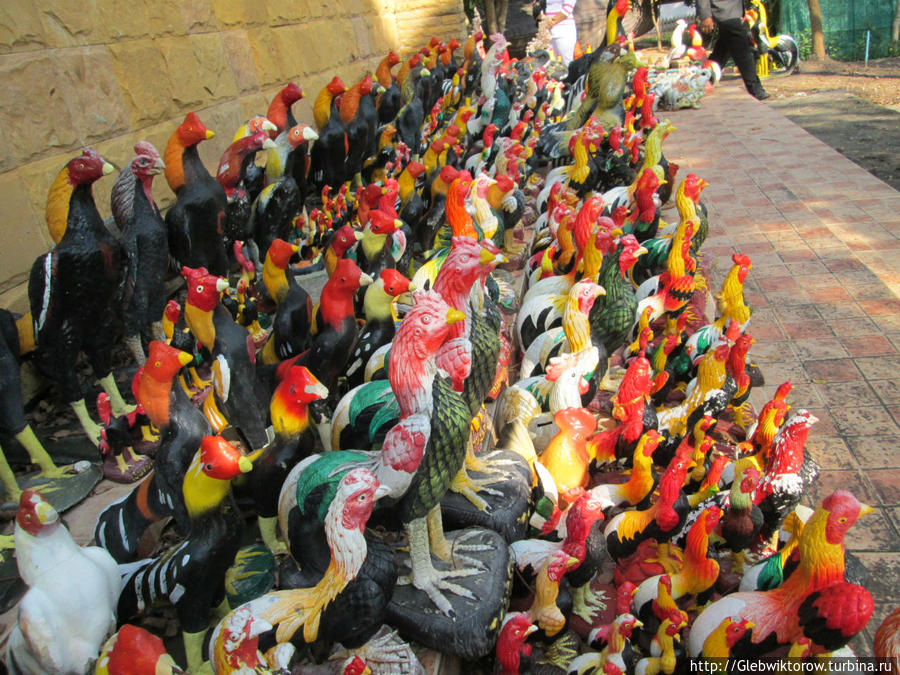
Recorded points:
(107, 73)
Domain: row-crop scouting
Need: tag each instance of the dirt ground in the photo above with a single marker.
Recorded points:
(853, 107)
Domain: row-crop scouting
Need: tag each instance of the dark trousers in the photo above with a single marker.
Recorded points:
(734, 41)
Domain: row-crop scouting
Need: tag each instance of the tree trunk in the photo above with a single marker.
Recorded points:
(500, 9)
(895, 24)
(815, 23)
(490, 17)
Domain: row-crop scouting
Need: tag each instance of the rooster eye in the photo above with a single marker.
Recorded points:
(362, 498)
(200, 288)
(343, 279)
(842, 520)
(157, 364)
(426, 319)
(209, 467)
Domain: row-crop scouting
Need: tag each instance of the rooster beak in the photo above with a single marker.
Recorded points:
(640, 251)
(268, 125)
(245, 465)
(454, 315)
(107, 168)
(210, 134)
(487, 258)
(46, 513)
(357, 235)
(412, 287)
(318, 389)
(365, 280)
(599, 291)
(221, 284)
(397, 223)
(531, 629)
(310, 134)
(865, 509)
(382, 491)
(184, 358)
(158, 167)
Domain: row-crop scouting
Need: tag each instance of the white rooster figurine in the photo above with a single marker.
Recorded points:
(70, 607)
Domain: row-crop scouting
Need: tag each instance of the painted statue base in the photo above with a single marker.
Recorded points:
(508, 499)
(62, 493)
(473, 632)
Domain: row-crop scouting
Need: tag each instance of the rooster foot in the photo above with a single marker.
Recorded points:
(586, 601)
(433, 582)
(386, 651)
(469, 488)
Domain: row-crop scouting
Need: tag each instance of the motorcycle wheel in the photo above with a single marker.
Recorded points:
(784, 57)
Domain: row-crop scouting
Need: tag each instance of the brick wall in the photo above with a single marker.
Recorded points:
(107, 73)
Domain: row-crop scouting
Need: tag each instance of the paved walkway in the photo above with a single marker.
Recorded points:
(824, 238)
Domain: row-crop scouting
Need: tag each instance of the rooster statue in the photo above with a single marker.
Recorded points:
(813, 602)
(70, 607)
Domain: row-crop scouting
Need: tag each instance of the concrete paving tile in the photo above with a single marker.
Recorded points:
(854, 392)
(840, 310)
(827, 293)
(799, 255)
(887, 485)
(787, 297)
(831, 453)
(784, 371)
(871, 533)
(829, 481)
(871, 345)
(879, 367)
(825, 426)
(832, 370)
(875, 452)
(868, 291)
(806, 268)
(806, 329)
(761, 271)
(886, 390)
(888, 322)
(859, 326)
(810, 349)
(779, 283)
(798, 313)
(772, 352)
(863, 420)
(763, 332)
(885, 306)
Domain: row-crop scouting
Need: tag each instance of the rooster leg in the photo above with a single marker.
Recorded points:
(425, 577)
(267, 528)
(133, 342)
(91, 428)
(8, 478)
(193, 652)
(743, 415)
(156, 330)
(436, 539)
(469, 488)
(512, 247)
(586, 601)
(39, 455)
(119, 406)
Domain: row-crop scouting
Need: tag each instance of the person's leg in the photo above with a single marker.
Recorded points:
(737, 37)
(564, 37)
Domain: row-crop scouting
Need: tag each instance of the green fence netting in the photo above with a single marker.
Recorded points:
(846, 23)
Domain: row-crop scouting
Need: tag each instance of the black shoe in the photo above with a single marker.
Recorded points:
(760, 94)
